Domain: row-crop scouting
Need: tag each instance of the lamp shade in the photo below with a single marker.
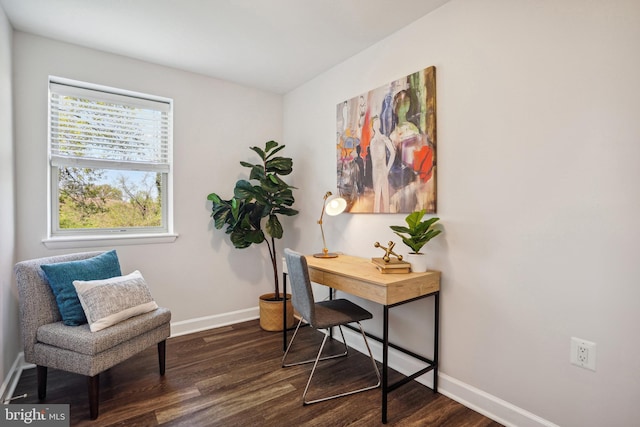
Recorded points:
(335, 205)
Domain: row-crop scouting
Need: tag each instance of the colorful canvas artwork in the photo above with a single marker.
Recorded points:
(386, 147)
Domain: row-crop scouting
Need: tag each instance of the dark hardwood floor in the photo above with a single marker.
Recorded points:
(232, 376)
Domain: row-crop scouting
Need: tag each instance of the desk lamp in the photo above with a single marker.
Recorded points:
(332, 205)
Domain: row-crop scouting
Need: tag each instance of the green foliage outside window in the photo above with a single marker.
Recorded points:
(87, 201)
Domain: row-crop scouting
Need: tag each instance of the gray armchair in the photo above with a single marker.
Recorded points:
(48, 343)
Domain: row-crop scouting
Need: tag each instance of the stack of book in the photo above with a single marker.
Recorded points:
(392, 267)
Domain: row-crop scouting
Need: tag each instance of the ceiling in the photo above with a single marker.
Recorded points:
(275, 45)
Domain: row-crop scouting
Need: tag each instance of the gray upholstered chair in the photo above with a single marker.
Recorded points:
(322, 315)
(48, 343)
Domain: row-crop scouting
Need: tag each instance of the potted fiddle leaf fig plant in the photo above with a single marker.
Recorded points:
(415, 235)
(251, 217)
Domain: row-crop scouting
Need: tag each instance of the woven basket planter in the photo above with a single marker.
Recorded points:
(271, 313)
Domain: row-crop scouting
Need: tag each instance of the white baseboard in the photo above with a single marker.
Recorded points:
(484, 403)
(190, 326)
(12, 378)
(491, 406)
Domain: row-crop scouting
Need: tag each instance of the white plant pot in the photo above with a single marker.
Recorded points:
(418, 262)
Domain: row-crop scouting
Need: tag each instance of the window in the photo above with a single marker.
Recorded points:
(110, 161)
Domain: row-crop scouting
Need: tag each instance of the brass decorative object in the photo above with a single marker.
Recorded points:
(388, 251)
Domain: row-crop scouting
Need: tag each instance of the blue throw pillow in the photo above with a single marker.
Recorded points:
(61, 276)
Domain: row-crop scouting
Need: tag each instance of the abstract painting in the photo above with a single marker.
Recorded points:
(386, 147)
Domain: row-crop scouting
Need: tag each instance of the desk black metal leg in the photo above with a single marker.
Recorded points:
(436, 333)
(331, 298)
(284, 317)
(385, 363)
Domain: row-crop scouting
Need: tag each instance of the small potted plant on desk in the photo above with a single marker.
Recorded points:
(415, 235)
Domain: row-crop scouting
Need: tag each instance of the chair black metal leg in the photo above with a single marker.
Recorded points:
(94, 395)
(162, 355)
(41, 373)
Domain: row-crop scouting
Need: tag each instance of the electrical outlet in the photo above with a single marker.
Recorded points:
(583, 353)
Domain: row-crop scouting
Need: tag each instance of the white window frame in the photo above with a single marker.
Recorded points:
(69, 238)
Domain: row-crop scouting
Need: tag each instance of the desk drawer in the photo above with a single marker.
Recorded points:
(351, 286)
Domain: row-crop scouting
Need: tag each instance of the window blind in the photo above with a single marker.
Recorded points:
(97, 128)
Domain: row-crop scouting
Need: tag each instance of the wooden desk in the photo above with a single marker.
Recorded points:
(358, 276)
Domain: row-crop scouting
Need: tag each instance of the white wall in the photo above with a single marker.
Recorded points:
(215, 122)
(8, 306)
(538, 148)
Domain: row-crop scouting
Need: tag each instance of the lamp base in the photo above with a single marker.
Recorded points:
(326, 255)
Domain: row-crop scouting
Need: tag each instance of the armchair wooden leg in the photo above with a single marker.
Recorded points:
(162, 354)
(41, 374)
(94, 395)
